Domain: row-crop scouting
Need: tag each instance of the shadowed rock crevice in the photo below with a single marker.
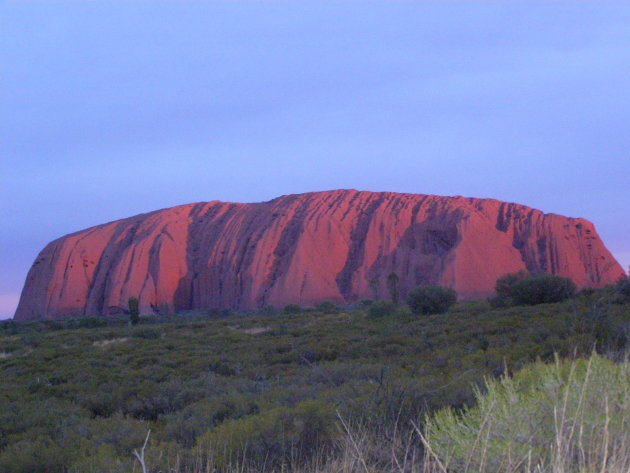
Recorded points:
(356, 253)
(286, 247)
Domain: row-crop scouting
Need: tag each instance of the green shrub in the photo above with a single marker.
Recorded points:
(268, 310)
(216, 313)
(42, 455)
(523, 289)
(270, 439)
(121, 433)
(9, 327)
(327, 307)
(565, 416)
(431, 299)
(504, 286)
(292, 309)
(90, 322)
(186, 425)
(542, 289)
(622, 290)
(381, 309)
(147, 333)
(101, 459)
(102, 403)
(592, 314)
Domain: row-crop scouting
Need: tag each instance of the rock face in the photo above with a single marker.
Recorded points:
(307, 248)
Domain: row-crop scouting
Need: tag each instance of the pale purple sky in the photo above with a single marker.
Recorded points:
(116, 108)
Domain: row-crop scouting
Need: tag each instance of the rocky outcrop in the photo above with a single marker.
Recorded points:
(307, 248)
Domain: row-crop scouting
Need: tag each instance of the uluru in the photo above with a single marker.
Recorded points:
(338, 246)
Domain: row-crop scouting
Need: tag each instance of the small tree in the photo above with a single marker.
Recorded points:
(431, 299)
(392, 287)
(134, 310)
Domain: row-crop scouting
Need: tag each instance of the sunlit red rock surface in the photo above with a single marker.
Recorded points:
(307, 248)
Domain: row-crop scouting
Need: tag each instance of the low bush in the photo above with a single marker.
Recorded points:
(431, 299)
(147, 333)
(216, 313)
(327, 307)
(523, 289)
(622, 290)
(42, 455)
(381, 309)
(542, 289)
(504, 287)
(88, 322)
(292, 309)
(268, 310)
(276, 437)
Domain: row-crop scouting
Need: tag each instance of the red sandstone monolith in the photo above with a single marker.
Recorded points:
(304, 249)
